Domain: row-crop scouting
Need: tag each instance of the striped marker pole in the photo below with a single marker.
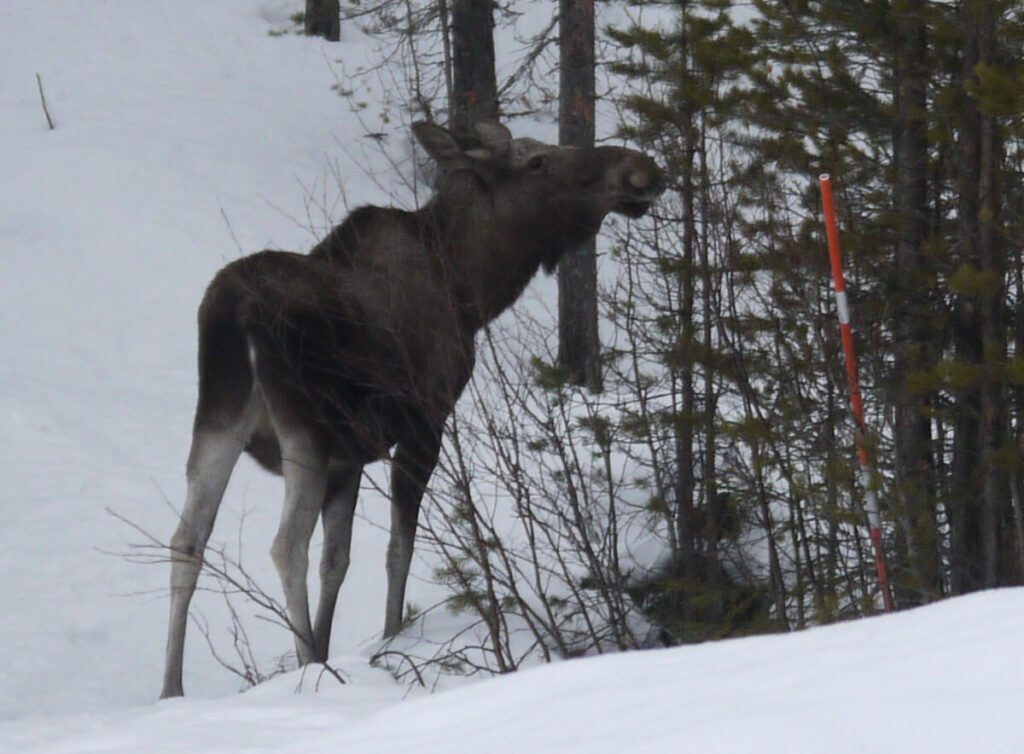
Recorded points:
(871, 500)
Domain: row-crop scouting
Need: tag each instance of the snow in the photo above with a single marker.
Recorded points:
(187, 135)
(940, 679)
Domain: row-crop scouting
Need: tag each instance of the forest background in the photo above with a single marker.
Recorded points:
(702, 481)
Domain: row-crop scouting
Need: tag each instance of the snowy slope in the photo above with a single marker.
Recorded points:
(941, 679)
(186, 136)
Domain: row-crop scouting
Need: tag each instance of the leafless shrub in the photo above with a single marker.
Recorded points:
(225, 575)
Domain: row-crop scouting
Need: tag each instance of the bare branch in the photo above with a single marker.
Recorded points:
(42, 98)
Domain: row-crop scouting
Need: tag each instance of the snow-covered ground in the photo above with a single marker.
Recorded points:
(947, 678)
(187, 135)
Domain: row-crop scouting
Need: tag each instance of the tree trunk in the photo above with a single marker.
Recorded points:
(713, 508)
(912, 341)
(578, 342)
(322, 19)
(994, 492)
(980, 491)
(474, 84)
(687, 528)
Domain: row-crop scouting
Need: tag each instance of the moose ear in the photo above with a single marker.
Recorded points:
(440, 144)
(495, 137)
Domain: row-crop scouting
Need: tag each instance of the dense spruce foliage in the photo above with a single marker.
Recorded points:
(915, 109)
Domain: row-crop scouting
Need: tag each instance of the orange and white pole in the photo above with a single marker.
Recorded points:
(871, 499)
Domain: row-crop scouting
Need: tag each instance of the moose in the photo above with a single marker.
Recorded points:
(318, 364)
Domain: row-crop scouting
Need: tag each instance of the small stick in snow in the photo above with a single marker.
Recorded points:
(42, 96)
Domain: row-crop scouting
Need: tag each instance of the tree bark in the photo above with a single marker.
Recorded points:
(578, 342)
(474, 84)
(687, 529)
(912, 341)
(980, 490)
(322, 19)
(994, 492)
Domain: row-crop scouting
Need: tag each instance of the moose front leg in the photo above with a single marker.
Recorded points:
(413, 464)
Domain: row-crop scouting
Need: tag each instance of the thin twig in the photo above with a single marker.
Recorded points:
(231, 578)
(402, 656)
(42, 97)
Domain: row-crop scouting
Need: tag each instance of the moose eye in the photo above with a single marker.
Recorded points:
(537, 162)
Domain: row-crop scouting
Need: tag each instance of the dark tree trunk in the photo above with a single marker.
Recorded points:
(578, 342)
(474, 85)
(994, 492)
(322, 19)
(912, 341)
(964, 519)
(965, 525)
(712, 501)
(687, 528)
(980, 492)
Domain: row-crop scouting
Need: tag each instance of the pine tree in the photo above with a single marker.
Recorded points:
(893, 101)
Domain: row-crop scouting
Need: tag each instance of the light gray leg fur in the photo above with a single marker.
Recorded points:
(211, 459)
(305, 483)
(338, 510)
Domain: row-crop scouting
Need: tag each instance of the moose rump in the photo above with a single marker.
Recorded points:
(290, 342)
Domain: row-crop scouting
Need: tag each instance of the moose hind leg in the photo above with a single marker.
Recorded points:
(338, 510)
(211, 459)
(414, 463)
(305, 484)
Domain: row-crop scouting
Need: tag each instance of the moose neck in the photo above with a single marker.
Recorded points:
(493, 244)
